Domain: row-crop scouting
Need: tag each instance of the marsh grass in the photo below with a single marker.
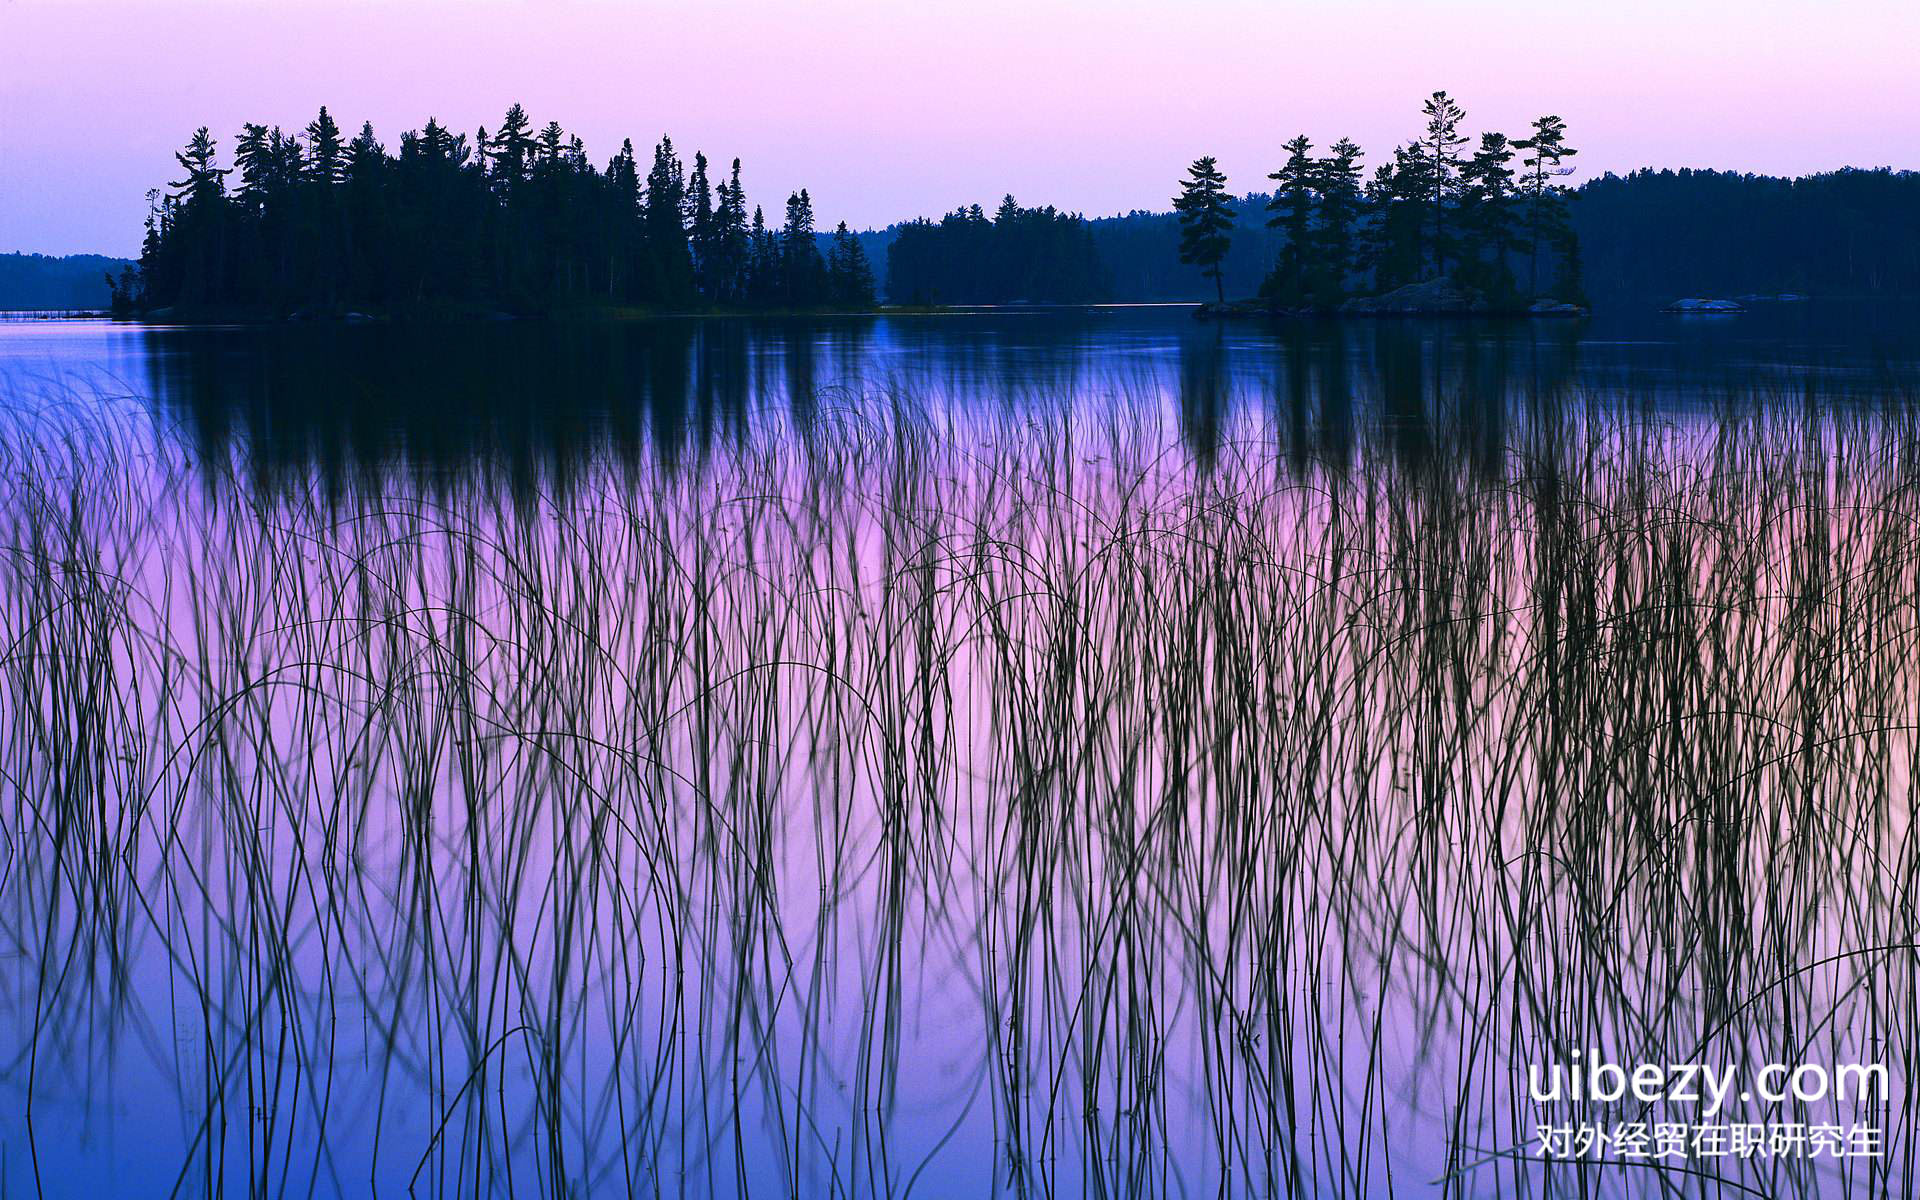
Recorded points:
(898, 802)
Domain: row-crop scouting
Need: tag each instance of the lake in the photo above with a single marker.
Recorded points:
(1019, 752)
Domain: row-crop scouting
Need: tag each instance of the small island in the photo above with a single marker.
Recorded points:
(1437, 231)
(512, 222)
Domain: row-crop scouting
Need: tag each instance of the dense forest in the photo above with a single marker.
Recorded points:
(1019, 254)
(1665, 234)
(43, 281)
(516, 219)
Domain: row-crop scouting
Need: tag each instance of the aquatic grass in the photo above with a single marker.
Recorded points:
(901, 801)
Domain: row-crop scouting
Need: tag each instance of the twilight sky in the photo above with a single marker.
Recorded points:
(887, 110)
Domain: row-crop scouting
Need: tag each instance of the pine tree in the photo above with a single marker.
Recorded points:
(512, 149)
(196, 216)
(320, 239)
(1206, 220)
(801, 269)
(1440, 147)
(256, 163)
(849, 274)
(663, 213)
(1396, 233)
(326, 152)
(1486, 218)
(620, 211)
(731, 240)
(1337, 179)
(205, 183)
(763, 262)
(1546, 212)
(1292, 205)
(367, 217)
(704, 231)
(550, 150)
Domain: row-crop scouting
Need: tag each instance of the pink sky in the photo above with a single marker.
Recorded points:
(891, 110)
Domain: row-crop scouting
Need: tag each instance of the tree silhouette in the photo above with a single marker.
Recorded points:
(1546, 149)
(1440, 148)
(802, 273)
(1337, 180)
(849, 274)
(1206, 220)
(512, 149)
(731, 241)
(1293, 206)
(196, 214)
(664, 214)
(1486, 216)
(703, 231)
(326, 159)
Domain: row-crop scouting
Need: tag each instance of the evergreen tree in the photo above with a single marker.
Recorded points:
(1342, 198)
(849, 274)
(196, 219)
(322, 239)
(1486, 217)
(512, 149)
(1292, 205)
(663, 212)
(1440, 147)
(802, 272)
(731, 244)
(1206, 220)
(366, 217)
(326, 152)
(704, 231)
(205, 182)
(1547, 225)
(1396, 236)
(620, 223)
(550, 147)
(257, 161)
(763, 285)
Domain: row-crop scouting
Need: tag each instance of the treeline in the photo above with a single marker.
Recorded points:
(518, 218)
(1489, 216)
(1667, 234)
(1019, 254)
(1650, 236)
(44, 281)
(1140, 251)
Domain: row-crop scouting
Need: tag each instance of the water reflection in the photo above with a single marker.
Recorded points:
(540, 400)
(1082, 754)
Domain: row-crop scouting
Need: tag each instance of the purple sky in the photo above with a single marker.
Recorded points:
(891, 110)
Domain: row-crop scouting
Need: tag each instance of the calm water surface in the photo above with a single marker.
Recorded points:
(1017, 753)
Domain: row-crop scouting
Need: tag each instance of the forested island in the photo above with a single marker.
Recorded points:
(1486, 229)
(516, 220)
